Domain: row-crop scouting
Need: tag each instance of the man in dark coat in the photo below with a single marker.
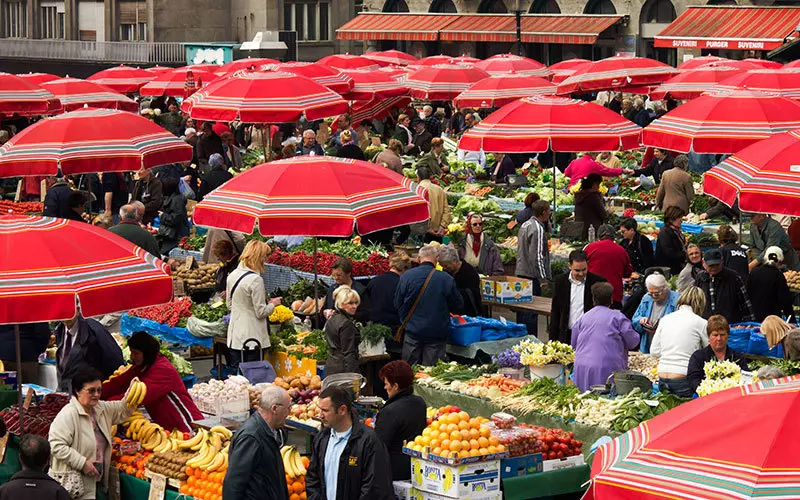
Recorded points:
(84, 342)
(726, 293)
(148, 190)
(357, 465)
(34, 338)
(639, 247)
(566, 311)
(468, 281)
(32, 482)
(255, 467)
(422, 139)
(661, 162)
(208, 143)
(217, 176)
(130, 229)
(55, 201)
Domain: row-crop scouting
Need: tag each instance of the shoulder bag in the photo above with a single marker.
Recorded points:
(398, 337)
(70, 480)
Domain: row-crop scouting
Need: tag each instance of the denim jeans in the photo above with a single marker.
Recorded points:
(677, 386)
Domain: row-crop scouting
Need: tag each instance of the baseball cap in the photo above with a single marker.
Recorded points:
(712, 257)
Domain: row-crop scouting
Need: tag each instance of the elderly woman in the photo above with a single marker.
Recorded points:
(390, 157)
(342, 333)
(678, 336)
(479, 250)
(80, 436)
(769, 293)
(671, 245)
(468, 281)
(402, 418)
(589, 205)
(167, 401)
(658, 302)
(716, 349)
(245, 295)
(693, 267)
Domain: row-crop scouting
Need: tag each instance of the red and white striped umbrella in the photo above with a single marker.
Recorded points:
(123, 78)
(468, 60)
(764, 63)
(38, 78)
(389, 57)
(370, 84)
(250, 63)
(740, 64)
(615, 73)
(691, 83)
(792, 64)
(499, 90)
(397, 72)
(21, 97)
(560, 71)
(271, 97)
(434, 60)
(782, 82)
(696, 62)
(442, 82)
(722, 122)
(75, 94)
(334, 79)
(173, 83)
(210, 68)
(91, 140)
(159, 69)
(376, 109)
(541, 123)
(509, 63)
(347, 61)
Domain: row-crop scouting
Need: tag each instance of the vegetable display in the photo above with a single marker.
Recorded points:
(374, 333)
(208, 313)
(192, 242)
(374, 264)
(172, 313)
(21, 207)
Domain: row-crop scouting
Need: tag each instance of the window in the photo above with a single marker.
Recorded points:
(545, 7)
(600, 7)
(311, 20)
(443, 6)
(52, 21)
(133, 32)
(659, 11)
(15, 19)
(132, 21)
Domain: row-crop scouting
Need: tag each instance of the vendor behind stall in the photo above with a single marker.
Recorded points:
(478, 249)
(228, 261)
(167, 401)
(717, 349)
(342, 274)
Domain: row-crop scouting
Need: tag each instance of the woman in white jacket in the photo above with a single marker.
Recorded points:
(80, 436)
(247, 300)
(678, 335)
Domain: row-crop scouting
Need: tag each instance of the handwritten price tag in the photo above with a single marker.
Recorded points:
(158, 487)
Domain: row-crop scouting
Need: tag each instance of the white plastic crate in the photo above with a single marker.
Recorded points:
(239, 404)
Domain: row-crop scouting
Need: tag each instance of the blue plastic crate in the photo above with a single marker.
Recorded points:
(465, 335)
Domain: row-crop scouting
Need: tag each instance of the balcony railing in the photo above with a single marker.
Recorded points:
(110, 52)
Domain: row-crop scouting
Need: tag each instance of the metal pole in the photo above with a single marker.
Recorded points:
(518, 15)
(316, 300)
(19, 378)
(555, 205)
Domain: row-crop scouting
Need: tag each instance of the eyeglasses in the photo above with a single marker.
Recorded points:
(477, 224)
(92, 390)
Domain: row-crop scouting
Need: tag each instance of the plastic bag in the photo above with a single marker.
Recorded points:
(200, 328)
(646, 182)
(185, 189)
(739, 338)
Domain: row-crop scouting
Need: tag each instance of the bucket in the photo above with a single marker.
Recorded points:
(351, 382)
(553, 371)
(465, 334)
(627, 380)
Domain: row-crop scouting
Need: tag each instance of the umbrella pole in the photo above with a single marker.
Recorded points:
(555, 205)
(316, 300)
(19, 377)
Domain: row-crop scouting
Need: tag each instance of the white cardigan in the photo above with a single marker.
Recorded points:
(677, 337)
(249, 308)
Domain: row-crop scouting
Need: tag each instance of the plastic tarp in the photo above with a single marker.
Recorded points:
(130, 324)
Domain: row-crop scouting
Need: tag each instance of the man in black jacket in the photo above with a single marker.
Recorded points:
(726, 293)
(660, 163)
(84, 342)
(55, 201)
(148, 190)
(217, 176)
(639, 247)
(468, 281)
(255, 467)
(357, 464)
(572, 296)
(208, 143)
(32, 482)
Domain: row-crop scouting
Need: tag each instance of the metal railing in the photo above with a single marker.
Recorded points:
(111, 52)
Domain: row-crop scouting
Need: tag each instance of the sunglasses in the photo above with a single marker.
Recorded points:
(477, 224)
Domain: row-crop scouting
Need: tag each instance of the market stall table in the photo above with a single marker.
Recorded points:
(483, 351)
(546, 484)
(539, 305)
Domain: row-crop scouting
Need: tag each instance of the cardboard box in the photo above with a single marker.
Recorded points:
(507, 289)
(563, 463)
(286, 365)
(402, 490)
(459, 481)
(9, 378)
(425, 495)
(521, 466)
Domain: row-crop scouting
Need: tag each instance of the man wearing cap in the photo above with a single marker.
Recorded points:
(766, 232)
(422, 138)
(726, 293)
(609, 260)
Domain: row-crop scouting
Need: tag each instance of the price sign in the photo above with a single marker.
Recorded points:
(187, 266)
(158, 487)
(178, 288)
(28, 397)
(217, 304)
(3, 445)
(18, 194)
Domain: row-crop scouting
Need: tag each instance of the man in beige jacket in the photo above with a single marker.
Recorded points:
(676, 188)
(437, 206)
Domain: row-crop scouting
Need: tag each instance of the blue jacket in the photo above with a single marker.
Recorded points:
(431, 319)
(643, 311)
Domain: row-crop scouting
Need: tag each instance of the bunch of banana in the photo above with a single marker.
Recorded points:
(292, 463)
(136, 393)
(220, 462)
(156, 440)
(119, 371)
(195, 442)
(207, 454)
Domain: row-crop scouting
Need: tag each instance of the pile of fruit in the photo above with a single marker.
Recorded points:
(172, 313)
(551, 443)
(793, 280)
(202, 485)
(38, 416)
(127, 456)
(20, 207)
(202, 276)
(296, 468)
(171, 464)
(456, 435)
(302, 261)
(136, 392)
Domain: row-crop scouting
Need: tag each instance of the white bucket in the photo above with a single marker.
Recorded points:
(553, 371)
(515, 373)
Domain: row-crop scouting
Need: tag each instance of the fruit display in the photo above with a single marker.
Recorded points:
(295, 467)
(456, 435)
(136, 393)
(551, 443)
(301, 385)
(375, 264)
(793, 280)
(20, 207)
(210, 396)
(172, 313)
(171, 464)
(202, 485)
(119, 371)
(202, 276)
(38, 416)
(129, 457)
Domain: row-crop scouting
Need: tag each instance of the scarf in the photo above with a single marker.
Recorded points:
(473, 249)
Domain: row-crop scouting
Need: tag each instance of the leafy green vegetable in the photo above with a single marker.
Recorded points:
(207, 313)
(469, 204)
(317, 339)
(373, 333)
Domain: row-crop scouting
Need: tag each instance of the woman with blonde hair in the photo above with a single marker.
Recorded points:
(349, 148)
(342, 333)
(776, 330)
(677, 337)
(247, 300)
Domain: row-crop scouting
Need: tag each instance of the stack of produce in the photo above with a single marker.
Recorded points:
(644, 364)
(202, 276)
(171, 464)
(127, 456)
(38, 416)
(20, 207)
(488, 386)
(136, 393)
(793, 280)
(201, 484)
(208, 396)
(308, 305)
(301, 385)
(296, 468)
(195, 243)
(525, 439)
(457, 435)
(172, 313)
(302, 261)
(205, 471)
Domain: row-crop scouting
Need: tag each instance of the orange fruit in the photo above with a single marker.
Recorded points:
(435, 425)
(455, 445)
(288, 479)
(302, 496)
(463, 425)
(294, 496)
(455, 436)
(445, 444)
(473, 444)
(305, 460)
(463, 416)
(483, 451)
(483, 442)
(474, 453)
(190, 481)
(204, 475)
(493, 441)
(464, 445)
(451, 428)
(189, 471)
(433, 435)
(492, 449)
(474, 434)
(501, 448)
(485, 431)
(474, 423)
(437, 451)
(298, 487)
(426, 431)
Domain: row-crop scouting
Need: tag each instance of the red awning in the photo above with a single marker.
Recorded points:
(536, 28)
(379, 26)
(742, 28)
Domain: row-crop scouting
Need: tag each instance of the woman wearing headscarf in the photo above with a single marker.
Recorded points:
(478, 250)
(769, 293)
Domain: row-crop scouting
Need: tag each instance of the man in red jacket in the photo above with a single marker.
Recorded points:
(610, 261)
(167, 401)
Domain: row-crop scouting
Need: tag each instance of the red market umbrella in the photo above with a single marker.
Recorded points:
(434, 60)
(696, 62)
(563, 70)
(780, 82)
(691, 83)
(739, 443)
(764, 63)
(442, 82)
(314, 196)
(542, 123)
(617, 72)
(498, 90)
(91, 140)
(468, 60)
(792, 64)
(740, 64)
(398, 73)
(21, 97)
(75, 94)
(347, 61)
(159, 69)
(395, 57)
(509, 63)
(271, 97)
(376, 109)
(333, 78)
(722, 122)
(763, 176)
(251, 63)
(173, 83)
(38, 78)
(123, 78)
(369, 85)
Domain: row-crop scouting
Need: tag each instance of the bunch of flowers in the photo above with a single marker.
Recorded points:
(577, 187)
(508, 359)
(281, 314)
(720, 375)
(538, 354)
